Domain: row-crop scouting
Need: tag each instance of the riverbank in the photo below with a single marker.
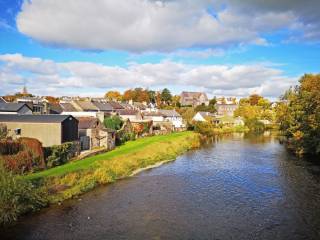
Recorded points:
(72, 179)
(77, 177)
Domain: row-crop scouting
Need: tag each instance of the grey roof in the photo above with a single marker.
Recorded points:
(68, 107)
(169, 113)
(34, 118)
(55, 108)
(103, 106)
(116, 105)
(206, 114)
(86, 106)
(127, 112)
(12, 107)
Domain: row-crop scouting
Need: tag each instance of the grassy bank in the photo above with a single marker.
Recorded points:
(77, 177)
(21, 194)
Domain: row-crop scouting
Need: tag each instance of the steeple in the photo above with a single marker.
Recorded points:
(24, 90)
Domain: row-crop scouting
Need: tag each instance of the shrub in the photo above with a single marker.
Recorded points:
(23, 155)
(254, 125)
(59, 154)
(17, 196)
(9, 146)
(204, 128)
(113, 122)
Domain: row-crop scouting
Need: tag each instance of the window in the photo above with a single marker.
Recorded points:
(17, 131)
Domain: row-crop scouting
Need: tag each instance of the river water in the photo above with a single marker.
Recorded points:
(237, 187)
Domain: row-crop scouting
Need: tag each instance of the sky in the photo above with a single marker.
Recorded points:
(221, 47)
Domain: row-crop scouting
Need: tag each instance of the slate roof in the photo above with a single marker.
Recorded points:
(116, 105)
(103, 106)
(127, 112)
(34, 118)
(206, 114)
(169, 113)
(55, 108)
(189, 95)
(87, 122)
(68, 107)
(12, 107)
(87, 106)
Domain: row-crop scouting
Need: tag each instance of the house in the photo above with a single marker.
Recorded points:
(155, 116)
(202, 116)
(104, 107)
(226, 109)
(132, 115)
(193, 99)
(227, 100)
(92, 134)
(48, 129)
(39, 105)
(115, 105)
(229, 121)
(85, 106)
(55, 108)
(15, 108)
(173, 117)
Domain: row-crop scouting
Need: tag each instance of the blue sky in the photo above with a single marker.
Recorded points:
(80, 51)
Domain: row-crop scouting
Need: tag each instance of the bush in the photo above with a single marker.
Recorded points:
(59, 154)
(17, 196)
(23, 155)
(8, 147)
(204, 128)
(254, 125)
(113, 122)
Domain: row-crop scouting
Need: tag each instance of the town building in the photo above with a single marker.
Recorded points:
(202, 116)
(15, 108)
(92, 134)
(193, 99)
(226, 109)
(132, 115)
(173, 117)
(48, 129)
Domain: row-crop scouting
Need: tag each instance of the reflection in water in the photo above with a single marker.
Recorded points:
(238, 186)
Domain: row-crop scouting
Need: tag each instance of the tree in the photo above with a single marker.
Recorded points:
(113, 122)
(152, 96)
(176, 101)
(166, 96)
(210, 108)
(113, 96)
(299, 116)
(254, 99)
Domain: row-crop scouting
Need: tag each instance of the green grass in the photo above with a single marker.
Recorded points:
(91, 162)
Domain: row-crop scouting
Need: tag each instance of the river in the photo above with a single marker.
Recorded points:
(237, 187)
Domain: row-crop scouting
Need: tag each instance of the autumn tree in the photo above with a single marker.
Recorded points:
(299, 115)
(113, 96)
(254, 99)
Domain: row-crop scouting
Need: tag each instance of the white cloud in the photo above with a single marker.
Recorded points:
(148, 25)
(78, 77)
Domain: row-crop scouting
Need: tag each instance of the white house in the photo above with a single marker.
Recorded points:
(201, 116)
(173, 117)
(131, 114)
(155, 116)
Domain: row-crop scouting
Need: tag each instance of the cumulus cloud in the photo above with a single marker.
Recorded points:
(148, 25)
(61, 78)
